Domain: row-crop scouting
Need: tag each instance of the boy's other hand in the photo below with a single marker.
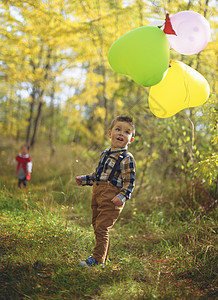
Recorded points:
(28, 176)
(117, 201)
(79, 180)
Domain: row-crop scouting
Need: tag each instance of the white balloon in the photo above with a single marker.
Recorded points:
(192, 32)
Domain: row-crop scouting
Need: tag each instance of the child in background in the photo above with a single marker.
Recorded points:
(113, 182)
(24, 166)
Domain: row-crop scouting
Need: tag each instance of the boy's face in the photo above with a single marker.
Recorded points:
(121, 135)
(24, 150)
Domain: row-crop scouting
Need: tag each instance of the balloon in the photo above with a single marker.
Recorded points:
(142, 53)
(182, 87)
(192, 32)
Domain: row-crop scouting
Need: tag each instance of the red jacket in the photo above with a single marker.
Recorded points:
(22, 161)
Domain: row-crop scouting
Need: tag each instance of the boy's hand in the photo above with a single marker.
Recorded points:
(28, 176)
(79, 180)
(117, 201)
(13, 162)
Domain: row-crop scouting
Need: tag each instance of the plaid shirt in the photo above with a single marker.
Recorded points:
(123, 178)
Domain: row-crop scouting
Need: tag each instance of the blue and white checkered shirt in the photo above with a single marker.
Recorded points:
(123, 178)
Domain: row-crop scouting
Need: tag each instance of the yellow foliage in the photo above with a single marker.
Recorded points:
(49, 37)
(100, 113)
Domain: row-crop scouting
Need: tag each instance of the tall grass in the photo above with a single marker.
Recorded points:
(160, 249)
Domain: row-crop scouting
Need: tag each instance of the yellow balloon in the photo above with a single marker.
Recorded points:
(182, 87)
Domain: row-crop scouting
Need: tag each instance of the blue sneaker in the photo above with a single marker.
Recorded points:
(89, 262)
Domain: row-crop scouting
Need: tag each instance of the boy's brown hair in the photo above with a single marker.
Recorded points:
(26, 146)
(124, 119)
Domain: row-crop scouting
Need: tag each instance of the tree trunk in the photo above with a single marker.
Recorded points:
(18, 118)
(37, 123)
(32, 105)
(105, 104)
(51, 134)
(141, 17)
(104, 96)
(40, 96)
(199, 54)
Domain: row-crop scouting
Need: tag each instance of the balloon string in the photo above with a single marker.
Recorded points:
(164, 6)
(193, 135)
(186, 75)
(187, 82)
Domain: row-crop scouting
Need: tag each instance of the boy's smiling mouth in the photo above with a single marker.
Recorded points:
(120, 139)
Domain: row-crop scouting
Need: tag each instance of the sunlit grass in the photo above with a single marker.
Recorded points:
(159, 252)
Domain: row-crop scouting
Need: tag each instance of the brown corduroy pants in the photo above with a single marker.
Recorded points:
(104, 215)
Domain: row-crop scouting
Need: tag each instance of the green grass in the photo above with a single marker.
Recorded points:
(163, 252)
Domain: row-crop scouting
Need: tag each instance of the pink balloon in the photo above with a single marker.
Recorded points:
(193, 32)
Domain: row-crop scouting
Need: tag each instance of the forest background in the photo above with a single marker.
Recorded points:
(58, 94)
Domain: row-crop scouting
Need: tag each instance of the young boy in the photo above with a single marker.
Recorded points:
(113, 182)
(24, 166)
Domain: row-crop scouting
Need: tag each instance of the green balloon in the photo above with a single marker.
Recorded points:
(143, 54)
